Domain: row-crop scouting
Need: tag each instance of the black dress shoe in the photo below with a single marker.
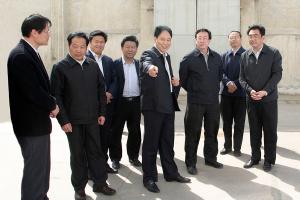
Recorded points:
(80, 195)
(115, 164)
(105, 189)
(135, 162)
(151, 186)
(237, 153)
(179, 179)
(250, 163)
(225, 151)
(111, 170)
(267, 166)
(192, 170)
(214, 164)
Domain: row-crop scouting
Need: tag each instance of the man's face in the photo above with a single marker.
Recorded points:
(41, 38)
(163, 41)
(234, 40)
(256, 40)
(78, 48)
(202, 40)
(97, 44)
(129, 49)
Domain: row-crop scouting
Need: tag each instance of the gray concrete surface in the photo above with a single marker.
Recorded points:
(231, 182)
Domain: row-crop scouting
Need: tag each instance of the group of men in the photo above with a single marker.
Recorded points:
(93, 96)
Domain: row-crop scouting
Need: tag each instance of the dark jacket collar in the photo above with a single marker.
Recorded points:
(264, 50)
(73, 62)
(239, 52)
(197, 52)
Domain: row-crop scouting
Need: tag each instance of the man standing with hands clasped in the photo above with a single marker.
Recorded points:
(261, 71)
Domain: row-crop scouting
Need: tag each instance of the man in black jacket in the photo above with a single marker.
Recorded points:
(127, 104)
(200, 75)
(233, 97)
(261, 71)
(31, 104)
(159, 104)
(98, 40)
(78, 86)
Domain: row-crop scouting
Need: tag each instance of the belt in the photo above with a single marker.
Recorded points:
(131, 98)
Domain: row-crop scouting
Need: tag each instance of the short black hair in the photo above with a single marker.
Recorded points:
(77, 34)
(236, 32)
(98, 33)
(260, 28)
(36, 22)
(130, 38)
(159, 29)
(203, 30)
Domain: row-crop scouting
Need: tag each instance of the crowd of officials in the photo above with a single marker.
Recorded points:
(93, 97)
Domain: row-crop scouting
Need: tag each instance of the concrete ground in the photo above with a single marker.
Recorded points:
(231, 182)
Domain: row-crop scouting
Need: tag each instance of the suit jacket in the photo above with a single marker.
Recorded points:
(109, 73)
(156, 94)
(118, 66)
(29, 92)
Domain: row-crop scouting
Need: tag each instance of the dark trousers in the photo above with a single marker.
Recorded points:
(193, 123)
(85, 150)
(233, 108)
(128, 111)
(106, 129)
(158, 136)
(263, 116)
(36, 172)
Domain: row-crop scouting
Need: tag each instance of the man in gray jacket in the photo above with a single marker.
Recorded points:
(261, 71)
(78, 86)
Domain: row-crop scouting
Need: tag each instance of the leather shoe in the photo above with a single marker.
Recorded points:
(237, 153)
(179, 179)
(151, 186)
(105, 189)
(192, 170)
(225, 151)
(80, 195)
(115, 164)
(111, 170)
(267, 166)
(250, 163)
(214, 164)
(135, 162)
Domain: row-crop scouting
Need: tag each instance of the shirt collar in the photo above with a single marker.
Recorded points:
(95, 55)
(78, 61)
(124, 62)
(164, 54)
(36, 50)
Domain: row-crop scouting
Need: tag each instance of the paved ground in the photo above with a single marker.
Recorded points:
(231, 182)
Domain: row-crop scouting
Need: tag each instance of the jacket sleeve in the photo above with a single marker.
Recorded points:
(242, 77)
(225, 79)
(113, 86)
(146, 61)
(183, 73)
(101, 93)
(276, 73)
(57, 89)
(24, 75)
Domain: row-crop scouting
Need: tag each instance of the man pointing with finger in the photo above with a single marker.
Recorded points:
(159, 102)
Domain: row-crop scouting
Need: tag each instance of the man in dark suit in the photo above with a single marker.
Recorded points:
(233, 96)
(31, 104)
(98, 40)
(261, 71)
(127, 104)
(159, 104)
(200, 75)
(78, 86)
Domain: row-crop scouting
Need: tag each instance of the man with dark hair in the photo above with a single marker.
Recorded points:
(233, 97)
(78, 86)
(159, 90)
(98, 40)
(261, 71)
(31, 104)
(127, 103)
(200, 75)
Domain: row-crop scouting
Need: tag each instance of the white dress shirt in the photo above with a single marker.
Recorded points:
(131, 84)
